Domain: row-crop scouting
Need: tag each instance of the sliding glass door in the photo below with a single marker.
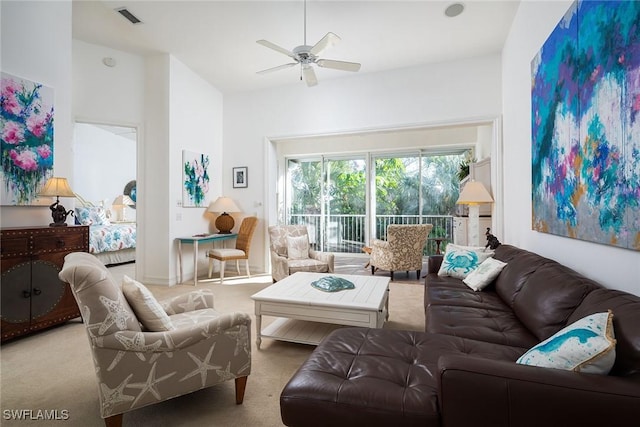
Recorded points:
(345, 203)
(328, 195)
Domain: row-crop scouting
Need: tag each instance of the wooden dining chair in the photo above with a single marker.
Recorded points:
(241, 251)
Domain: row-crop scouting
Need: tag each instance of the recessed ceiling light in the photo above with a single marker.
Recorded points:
(109, 62)
(454, 10)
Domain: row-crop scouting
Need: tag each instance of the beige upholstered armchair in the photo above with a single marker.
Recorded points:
(193, 346)
(290, 252)
(402, 251)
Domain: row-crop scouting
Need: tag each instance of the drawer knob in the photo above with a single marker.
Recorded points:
(26, 294)
(36, 291)
(60, 243)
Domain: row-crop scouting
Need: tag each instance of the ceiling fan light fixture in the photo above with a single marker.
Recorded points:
(454, 10)
(307, 56)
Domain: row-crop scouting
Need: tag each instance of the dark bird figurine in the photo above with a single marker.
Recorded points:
(492, 241)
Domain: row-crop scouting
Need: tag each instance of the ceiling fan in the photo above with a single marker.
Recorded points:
(306, 56)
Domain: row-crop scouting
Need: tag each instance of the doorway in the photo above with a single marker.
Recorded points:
(104, 166)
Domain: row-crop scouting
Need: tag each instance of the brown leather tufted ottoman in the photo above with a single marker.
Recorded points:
(371, 377)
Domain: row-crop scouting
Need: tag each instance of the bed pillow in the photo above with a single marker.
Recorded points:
(298, 247)
(459, 261)
(486, 272)
(148, 310)
(587, 345)
(92, 216)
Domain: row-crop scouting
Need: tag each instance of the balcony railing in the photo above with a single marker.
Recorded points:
(346, 233)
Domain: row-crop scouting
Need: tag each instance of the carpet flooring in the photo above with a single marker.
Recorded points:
(52, 370)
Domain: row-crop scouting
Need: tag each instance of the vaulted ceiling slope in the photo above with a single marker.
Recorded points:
(217, 39)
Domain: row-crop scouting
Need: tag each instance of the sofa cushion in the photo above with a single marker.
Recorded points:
(587, 345)
(548, 298)
(376, 377)
(450, 291)
(626, 324)
(496, 326)
(308, 264)
(520, 265)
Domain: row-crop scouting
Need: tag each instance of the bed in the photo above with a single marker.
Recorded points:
(110, 242)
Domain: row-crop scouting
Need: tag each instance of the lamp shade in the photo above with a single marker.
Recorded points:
(57, 187)
(223, 204)
(473, 193)
(123, 200)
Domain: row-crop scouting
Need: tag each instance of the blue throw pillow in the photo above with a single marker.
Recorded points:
(459, 261)
(587, 345)
(332, 284)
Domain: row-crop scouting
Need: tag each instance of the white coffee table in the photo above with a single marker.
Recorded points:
(306, 315)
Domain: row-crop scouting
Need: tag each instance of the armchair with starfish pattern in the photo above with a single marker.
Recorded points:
(136, 367)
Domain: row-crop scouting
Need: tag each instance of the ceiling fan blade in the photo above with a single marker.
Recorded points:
(338, 65)
(326, 42)
(279, 67)
(309, 76)
(277, 48)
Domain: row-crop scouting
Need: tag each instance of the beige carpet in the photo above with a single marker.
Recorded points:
(52, 370)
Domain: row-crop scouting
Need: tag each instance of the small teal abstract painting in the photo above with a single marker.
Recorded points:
(585, 106)
(195, 179)
(26, 132)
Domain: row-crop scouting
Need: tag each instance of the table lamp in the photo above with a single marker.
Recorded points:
(58, 187)
(120, 203)
(473, 194)
(224, 222)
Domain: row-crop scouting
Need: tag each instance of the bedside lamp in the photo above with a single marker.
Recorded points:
(225, 222)
(58, 187)
(473, 194)
(120, 203)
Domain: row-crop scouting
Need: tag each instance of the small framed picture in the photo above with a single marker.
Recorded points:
(240, 177)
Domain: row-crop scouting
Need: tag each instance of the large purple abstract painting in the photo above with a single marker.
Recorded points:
(585, 106)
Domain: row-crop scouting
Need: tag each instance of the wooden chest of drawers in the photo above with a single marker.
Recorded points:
(32, 297)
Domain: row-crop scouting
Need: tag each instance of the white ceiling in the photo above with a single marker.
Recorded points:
(217, 39)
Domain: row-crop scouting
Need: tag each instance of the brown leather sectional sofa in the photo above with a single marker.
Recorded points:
(462, 370)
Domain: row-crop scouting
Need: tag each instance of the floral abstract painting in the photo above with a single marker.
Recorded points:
(26, 127)
(195, 178)
(585, 105)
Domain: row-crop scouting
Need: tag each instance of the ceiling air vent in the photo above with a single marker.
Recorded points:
(130, 16)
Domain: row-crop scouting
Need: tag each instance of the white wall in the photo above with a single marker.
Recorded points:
(613, 267)
(195, 125)
(440, 93)
(36, 45)
(108, 95)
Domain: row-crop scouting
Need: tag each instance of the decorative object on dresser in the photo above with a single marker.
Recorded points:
(57, 187)
(224, 205)
(32, 296)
